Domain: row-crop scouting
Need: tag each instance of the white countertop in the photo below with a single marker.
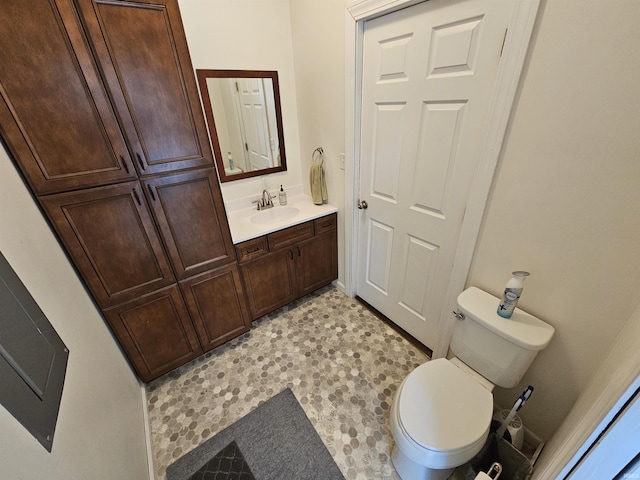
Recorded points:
(243, 229)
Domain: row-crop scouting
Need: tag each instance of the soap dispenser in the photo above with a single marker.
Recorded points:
(512, 292)
(282, 196)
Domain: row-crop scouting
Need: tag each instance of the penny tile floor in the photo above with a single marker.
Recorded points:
(342, 363)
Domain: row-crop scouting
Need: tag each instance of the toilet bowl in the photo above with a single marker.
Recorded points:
(442, 412)
(440, 419)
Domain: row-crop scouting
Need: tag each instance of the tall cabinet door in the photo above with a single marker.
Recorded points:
(109, 233)
(143, 53)
(55, 115)
(189, 210)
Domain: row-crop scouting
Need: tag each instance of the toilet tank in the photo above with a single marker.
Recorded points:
(500, 349)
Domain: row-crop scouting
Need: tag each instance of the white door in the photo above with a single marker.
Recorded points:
(428, 76)
(254, 118)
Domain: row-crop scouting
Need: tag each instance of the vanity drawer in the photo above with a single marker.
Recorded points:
(327, 223)
(252, 249)
(291, 235)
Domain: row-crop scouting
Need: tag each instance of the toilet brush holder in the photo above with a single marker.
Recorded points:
(514, 433)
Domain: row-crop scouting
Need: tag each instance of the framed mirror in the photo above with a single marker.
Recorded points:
(245, 121)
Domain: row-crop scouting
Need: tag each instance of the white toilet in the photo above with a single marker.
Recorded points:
(442, 411)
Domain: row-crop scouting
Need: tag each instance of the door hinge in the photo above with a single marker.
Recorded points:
(504, 39)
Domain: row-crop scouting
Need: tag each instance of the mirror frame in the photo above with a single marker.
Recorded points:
(203, 75)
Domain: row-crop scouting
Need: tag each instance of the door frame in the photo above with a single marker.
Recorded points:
(514, 52)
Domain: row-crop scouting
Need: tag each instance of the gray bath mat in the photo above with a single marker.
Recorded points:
(276, 440)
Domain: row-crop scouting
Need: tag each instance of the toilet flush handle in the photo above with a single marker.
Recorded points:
(458, 315)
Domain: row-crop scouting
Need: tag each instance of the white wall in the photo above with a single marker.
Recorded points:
(566, 197)
(100, 430)
(248, 35)
(318, 48)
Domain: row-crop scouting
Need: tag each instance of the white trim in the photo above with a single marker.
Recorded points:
(616, 444)
(147, 431)
(608, 389)
(514, 54)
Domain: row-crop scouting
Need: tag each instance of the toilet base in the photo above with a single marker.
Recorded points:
(409, 470)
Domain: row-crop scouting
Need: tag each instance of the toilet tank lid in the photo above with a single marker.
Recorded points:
(522, 328)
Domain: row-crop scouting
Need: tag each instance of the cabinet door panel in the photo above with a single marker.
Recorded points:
(55, 115)
(110, 235)
(143, 53)
(317, 262)
(217, 305)
(270, 282)
(191, 216)
(155, 331)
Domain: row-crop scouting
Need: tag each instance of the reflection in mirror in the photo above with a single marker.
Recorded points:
(245, 122)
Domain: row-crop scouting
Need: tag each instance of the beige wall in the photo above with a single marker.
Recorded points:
(100, 431)
(318, 48)
(248, 35)
(566, 196)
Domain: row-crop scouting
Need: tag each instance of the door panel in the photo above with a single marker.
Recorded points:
(270, 281)
(428, 78)
(379, 249)
(191, 216)
(155, 332)
(217, 305)
(317, 262)
(64, 134)
(109, 233)
(141, 47)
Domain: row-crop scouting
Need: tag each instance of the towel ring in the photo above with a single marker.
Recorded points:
(319, 151)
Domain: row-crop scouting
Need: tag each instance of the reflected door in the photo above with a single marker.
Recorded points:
(253, 110)
(428, 77)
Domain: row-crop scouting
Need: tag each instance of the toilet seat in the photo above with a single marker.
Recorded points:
(443, 409)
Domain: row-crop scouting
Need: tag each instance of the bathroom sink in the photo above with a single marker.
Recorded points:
(273, 215)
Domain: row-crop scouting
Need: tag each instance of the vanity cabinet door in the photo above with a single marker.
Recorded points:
(111, 237)
(143, 53)
(317, 262)
(217, 305)
(55, 115)
(190, 213)
(155, 332)
(270, 281)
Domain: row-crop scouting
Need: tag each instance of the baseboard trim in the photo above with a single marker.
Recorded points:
(147, 430)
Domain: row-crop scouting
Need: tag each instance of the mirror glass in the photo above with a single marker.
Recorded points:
(245, 122)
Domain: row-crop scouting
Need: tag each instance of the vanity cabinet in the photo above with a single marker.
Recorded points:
(288, 264)
(100, 111)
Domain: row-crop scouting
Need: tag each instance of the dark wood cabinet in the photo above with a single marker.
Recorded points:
(285, 265)
(100, 111)
(55, 114)
(317, 262)
(270, 282)
(217, 305)
(142, 51)
(189, 210)
(110, 235)
(156, 332)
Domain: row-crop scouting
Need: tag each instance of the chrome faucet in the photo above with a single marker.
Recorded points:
(265, 201)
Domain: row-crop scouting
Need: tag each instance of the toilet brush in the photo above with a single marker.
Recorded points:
(516, 406)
